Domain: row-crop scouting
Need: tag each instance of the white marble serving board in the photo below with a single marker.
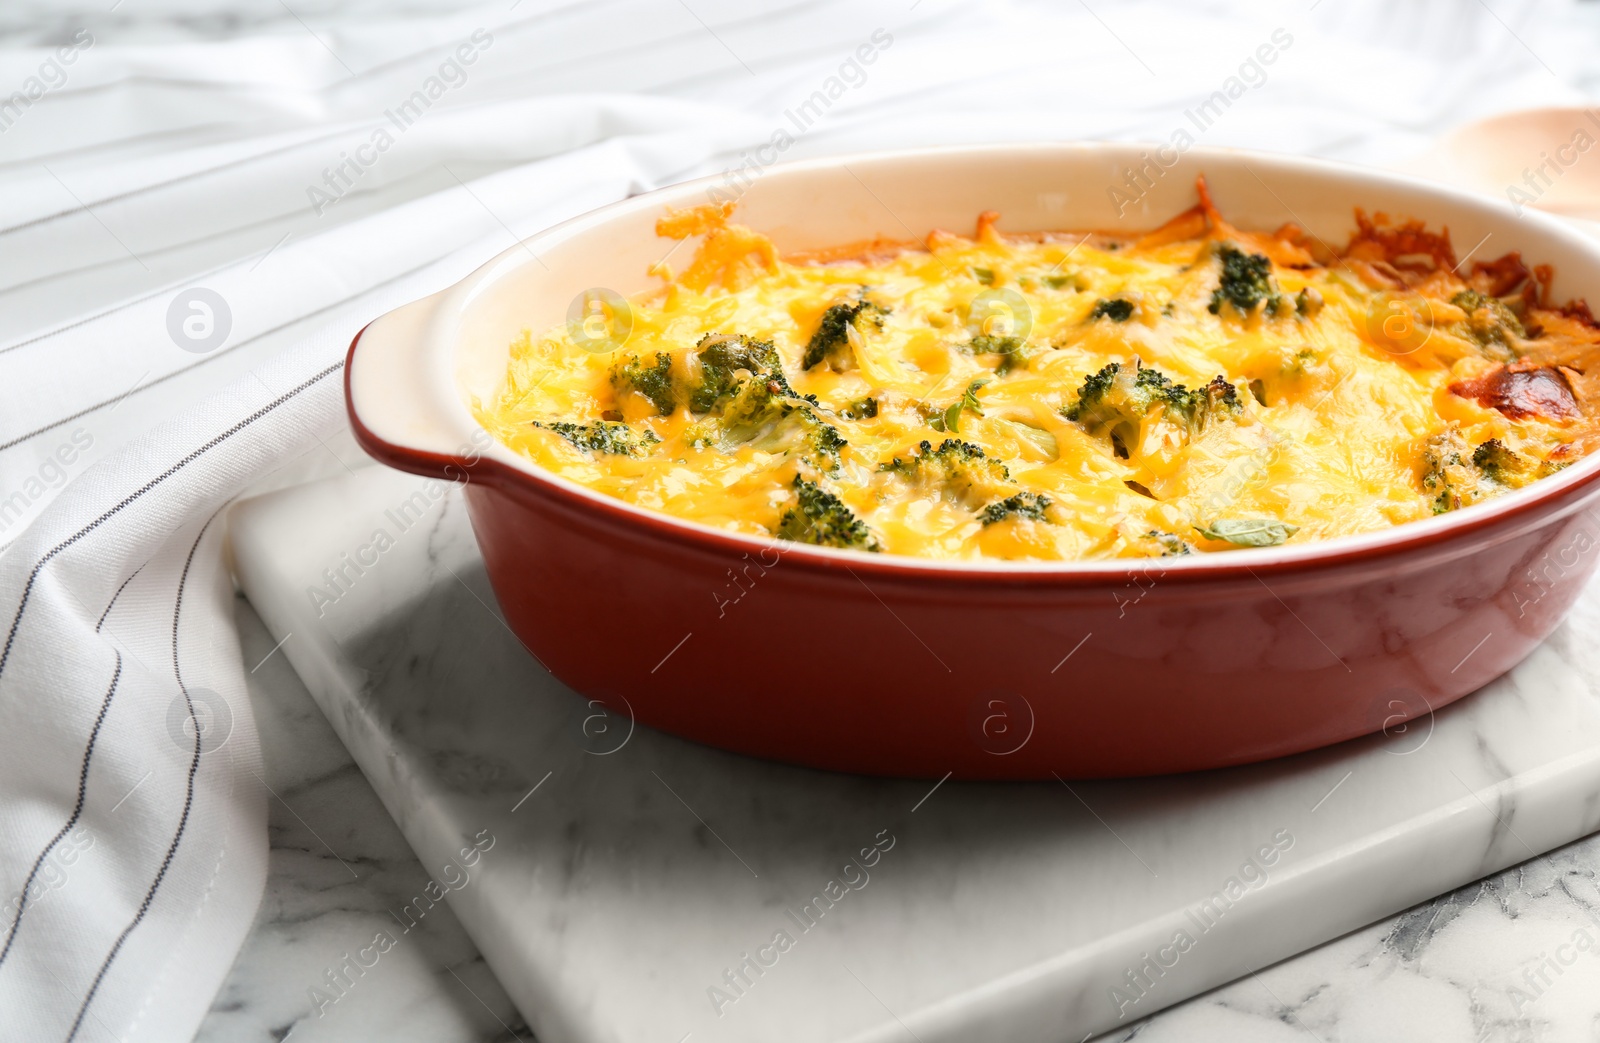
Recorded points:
(630, 873)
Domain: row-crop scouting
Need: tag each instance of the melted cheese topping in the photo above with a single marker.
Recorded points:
(1322, 393)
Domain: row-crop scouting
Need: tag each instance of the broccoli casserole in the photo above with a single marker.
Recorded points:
(1057, 395)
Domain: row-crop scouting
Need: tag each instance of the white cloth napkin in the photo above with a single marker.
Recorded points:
(187, 247)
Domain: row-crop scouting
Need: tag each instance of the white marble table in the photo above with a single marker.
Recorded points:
(338, 863)
(605, 911)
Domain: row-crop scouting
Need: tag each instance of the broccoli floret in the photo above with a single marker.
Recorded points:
(821, 518)
(1490, 324)
(822, 441)
(1013, 351)
(1503, 469)
(1116, 401)
(1116, 309)
(1096, 386)
(1453, 478)
(727, 368)
(723, 361)
(956, 469)
(1449, 479)
(1168, 544)
(860, 409)
(1500, 464)
(1219, 398)
(1018, 505)
(653, 381)
(763, 412)
(748, 401)
(951, 450)
(1156, 388)
(604, 436)
(1246, 282)
(833, 332)
(755, 404)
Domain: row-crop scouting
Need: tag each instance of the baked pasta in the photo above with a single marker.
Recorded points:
(1197, 389)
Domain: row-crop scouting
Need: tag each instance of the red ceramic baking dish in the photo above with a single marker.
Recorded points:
(899, 666)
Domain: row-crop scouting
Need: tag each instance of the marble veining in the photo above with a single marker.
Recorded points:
(338, 866)
(644, 888)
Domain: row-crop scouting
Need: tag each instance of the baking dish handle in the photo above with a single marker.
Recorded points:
(402, 401)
